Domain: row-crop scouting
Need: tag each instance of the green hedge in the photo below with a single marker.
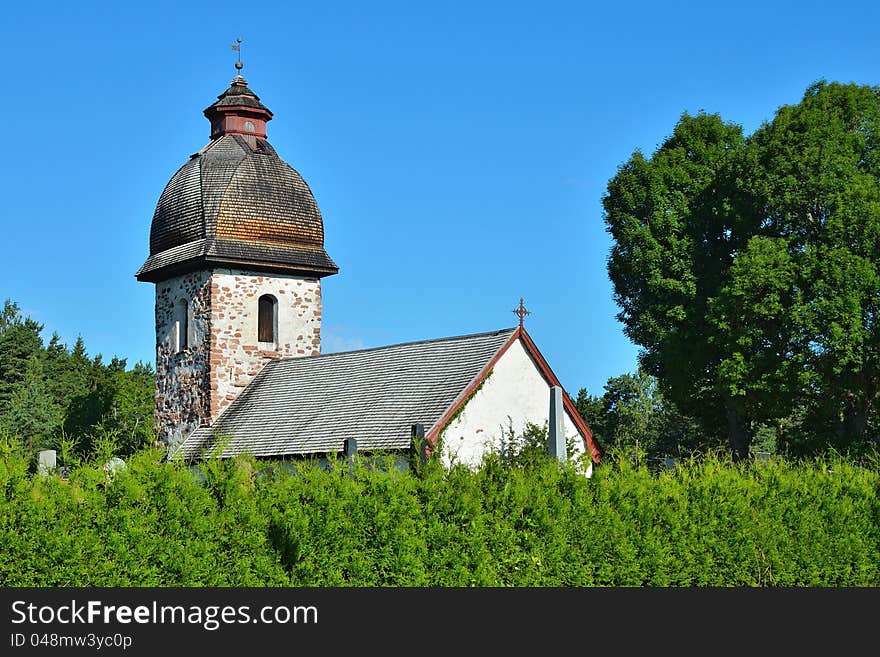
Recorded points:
(706, 523)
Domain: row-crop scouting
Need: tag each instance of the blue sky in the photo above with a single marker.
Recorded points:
(458, 151)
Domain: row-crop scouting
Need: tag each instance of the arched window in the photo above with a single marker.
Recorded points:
(267, 321)
(180, 333)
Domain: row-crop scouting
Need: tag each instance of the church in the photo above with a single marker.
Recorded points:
(237, 257)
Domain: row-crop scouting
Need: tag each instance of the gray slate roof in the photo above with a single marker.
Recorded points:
(236, 202)
(310, 405)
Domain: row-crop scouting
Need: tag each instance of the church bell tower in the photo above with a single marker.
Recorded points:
(237, 256)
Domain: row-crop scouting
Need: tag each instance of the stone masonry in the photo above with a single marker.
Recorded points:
(223, 355)
(236, 356)
(182, 400)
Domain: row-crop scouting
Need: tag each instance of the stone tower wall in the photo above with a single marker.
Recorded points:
(222, 354)
(182, 384)
(236, 355)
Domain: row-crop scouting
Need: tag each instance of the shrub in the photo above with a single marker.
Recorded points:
(707, 522)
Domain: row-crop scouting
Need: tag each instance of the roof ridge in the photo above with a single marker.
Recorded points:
(204, 149)
(400, 344)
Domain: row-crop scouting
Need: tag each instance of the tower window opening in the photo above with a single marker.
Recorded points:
(180, 336)
(267, 320)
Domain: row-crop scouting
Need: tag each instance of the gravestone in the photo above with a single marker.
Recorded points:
(46, 462)
(113, 466)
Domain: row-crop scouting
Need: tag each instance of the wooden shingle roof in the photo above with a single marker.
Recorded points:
(238, 95)
(312, 404)
(236, 203)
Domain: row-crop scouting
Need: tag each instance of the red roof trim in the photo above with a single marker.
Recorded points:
(434, 433)
(519, 334)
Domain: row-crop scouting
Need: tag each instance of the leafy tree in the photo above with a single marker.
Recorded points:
(632, 410)
(674, 239)
(633, 413)
(747, 270)
(816, 178)
(754, 328)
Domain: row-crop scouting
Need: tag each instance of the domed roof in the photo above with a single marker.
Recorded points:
(237, 204)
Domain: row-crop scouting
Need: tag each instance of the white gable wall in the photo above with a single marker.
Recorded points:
(515, 393)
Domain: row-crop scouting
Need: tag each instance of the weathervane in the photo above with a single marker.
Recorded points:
(521, 312)
(237, 48)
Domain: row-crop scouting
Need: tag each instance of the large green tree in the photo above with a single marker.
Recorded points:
(747, 269)
(674, 237)
(816, 180)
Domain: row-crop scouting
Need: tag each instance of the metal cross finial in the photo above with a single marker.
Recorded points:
(521, 312)
(237, 48)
